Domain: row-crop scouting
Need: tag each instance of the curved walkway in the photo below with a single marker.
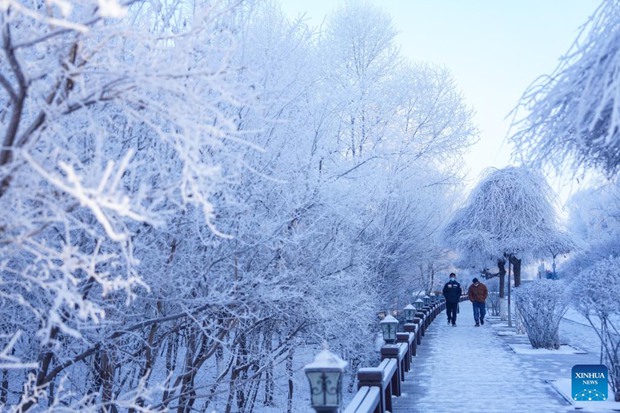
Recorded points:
(472, 369)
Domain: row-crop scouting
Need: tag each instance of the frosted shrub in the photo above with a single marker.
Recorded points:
(541, 305)
(596, 294)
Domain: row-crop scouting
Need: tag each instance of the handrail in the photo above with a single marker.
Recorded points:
(367, 399)
(377, 385)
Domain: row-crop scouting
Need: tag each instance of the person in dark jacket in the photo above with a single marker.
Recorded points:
(452, 292)
(478, 294)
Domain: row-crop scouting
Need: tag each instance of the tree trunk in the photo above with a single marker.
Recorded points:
(501, 266)
(509, 295)
(4, 387)
(149, 360)
(107, 370)
(241, 389)
(231, 387)
(355, 363)
(189, 372)
(45, 359)
(290, 373)
(269, 379)
(221, 377)
(171, 363)
(516, 269)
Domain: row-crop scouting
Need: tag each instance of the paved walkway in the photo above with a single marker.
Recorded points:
(474, 370)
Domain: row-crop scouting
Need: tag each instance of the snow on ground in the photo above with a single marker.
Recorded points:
(528, 349)
(475, 370)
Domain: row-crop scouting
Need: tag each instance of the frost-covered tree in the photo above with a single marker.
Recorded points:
(181, 212)
(597, 300)
(573, 115)
(331, 214)
(509, 216)
(594, 220)
(113, 124)
(400, 129)
(542, 304)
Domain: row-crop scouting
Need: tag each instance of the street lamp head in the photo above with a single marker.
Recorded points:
(325, 378)
(389, 325)
(427, 300)
(409, 313)
(419, 303)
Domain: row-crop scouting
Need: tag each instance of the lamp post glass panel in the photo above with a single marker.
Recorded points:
(409, 313)
(419, 303)
(389, 326)
(325, 377)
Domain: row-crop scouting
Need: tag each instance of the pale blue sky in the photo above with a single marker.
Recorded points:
(494, 48)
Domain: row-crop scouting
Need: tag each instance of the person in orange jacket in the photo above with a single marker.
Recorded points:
(478, 294)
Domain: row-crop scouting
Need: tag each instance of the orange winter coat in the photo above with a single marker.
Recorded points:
(478, 293)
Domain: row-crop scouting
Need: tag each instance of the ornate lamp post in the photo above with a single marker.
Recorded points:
(427, 300)
(389, 326)
(409, 313)
(419, 303)
(325, 377)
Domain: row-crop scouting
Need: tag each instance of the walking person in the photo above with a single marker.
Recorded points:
(452, 292)
(478, 294)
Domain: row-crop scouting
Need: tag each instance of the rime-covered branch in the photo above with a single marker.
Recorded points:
(572, 117)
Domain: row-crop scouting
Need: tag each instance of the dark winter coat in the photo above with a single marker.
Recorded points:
(452, 291)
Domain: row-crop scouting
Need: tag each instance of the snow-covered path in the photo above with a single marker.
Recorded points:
(472, 369)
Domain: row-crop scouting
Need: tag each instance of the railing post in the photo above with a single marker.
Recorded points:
(427, 317)
(390, 351)
(404, 338)
(373, 377)
(419, 320)
(412, 329)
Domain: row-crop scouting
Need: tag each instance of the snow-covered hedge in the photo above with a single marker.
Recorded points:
(595, 290)
(541, 305)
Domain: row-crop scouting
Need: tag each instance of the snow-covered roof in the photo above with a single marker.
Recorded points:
(327, 360)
